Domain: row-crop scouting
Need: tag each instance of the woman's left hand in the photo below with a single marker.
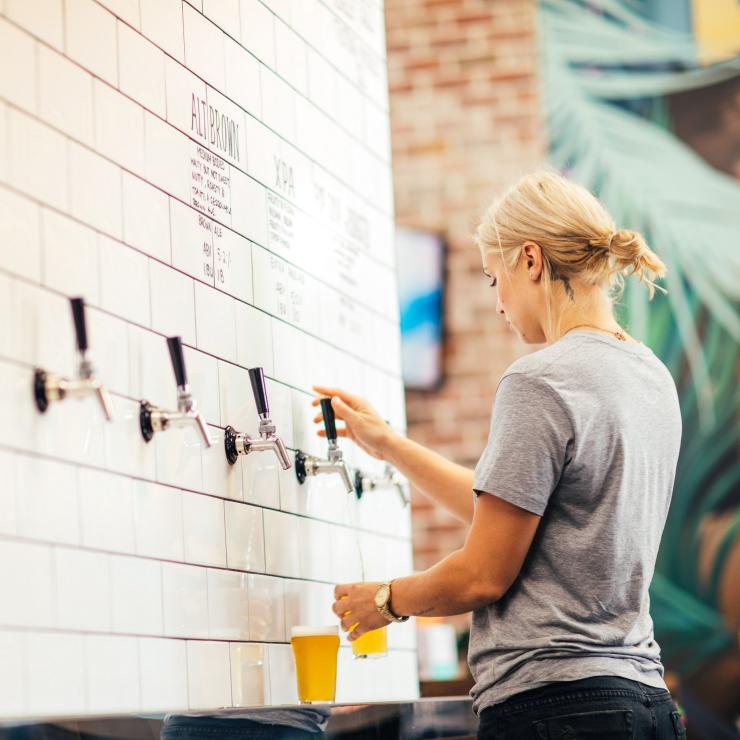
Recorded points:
(355, 605)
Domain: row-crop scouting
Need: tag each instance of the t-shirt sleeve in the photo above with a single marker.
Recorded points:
(527, 443)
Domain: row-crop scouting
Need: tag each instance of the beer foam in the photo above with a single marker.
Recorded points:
(308, 631)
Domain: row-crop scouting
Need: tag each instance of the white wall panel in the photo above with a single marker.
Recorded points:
(217, 170)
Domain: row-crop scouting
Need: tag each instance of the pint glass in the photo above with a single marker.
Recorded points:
(371, 644)
(315, 651)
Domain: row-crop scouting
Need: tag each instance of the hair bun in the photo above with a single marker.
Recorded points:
(629, 251)
(626, 244)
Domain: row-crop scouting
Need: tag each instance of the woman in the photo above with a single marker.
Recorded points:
(569, 497)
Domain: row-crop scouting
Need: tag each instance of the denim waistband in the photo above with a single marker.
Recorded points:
(583, 688)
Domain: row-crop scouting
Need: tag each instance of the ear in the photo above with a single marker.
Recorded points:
(532, 255)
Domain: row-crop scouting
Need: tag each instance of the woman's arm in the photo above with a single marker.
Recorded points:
(477, 574)
(449, 484)
(472, 577)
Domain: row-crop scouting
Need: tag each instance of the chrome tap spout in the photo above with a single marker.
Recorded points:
(48, 388)
(237, 443)
(154, 419)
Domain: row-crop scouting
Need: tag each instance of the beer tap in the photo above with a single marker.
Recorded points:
(48, 388)
(237, 443)
(391, 478)
(154, 419)
(306, 465)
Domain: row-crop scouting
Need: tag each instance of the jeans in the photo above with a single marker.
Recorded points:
(220, 728)
(597, 708)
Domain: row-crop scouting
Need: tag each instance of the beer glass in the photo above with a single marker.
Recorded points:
(371, 644)
(315, 650)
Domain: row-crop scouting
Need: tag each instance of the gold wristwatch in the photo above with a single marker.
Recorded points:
(383, 603)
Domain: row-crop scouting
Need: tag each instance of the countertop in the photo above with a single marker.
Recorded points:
(448, 717)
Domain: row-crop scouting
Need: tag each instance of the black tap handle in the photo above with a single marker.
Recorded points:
(178, 361)
(78, 316)
(329, 421)
(257, 379)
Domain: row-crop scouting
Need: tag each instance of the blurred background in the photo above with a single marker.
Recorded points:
(639, 100)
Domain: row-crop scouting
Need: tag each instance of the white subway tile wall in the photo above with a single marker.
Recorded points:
(163, 674)
(47, 25)
(220, 171)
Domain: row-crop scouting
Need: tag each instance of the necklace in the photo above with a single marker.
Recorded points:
(619, 334)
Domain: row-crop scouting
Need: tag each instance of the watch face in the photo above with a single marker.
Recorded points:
(381, 595)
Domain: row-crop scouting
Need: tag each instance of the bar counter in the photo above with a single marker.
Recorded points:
(439, 717)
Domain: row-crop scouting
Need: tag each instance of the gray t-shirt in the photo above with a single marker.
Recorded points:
(585, 433)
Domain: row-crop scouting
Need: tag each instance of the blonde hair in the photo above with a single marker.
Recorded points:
(577, 237)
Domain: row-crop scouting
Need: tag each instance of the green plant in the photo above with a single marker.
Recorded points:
(595, 59)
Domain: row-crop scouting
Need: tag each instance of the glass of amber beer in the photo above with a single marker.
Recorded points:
(371, 644)
(315, 650)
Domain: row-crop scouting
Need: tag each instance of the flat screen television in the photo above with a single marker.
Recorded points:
(421, 270)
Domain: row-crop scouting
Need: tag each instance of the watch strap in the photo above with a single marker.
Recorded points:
(385, 609)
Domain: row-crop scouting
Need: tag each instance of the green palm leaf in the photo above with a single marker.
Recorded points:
(591, 58)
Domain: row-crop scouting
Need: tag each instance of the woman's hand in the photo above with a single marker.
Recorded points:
(362, 423)
(355, 605)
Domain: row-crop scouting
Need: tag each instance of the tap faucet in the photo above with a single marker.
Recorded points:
(306, 465)
(48, 388)
(237, 443)
(154, 419)
(391, 478)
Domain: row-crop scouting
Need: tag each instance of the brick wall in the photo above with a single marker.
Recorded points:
(465, 121)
